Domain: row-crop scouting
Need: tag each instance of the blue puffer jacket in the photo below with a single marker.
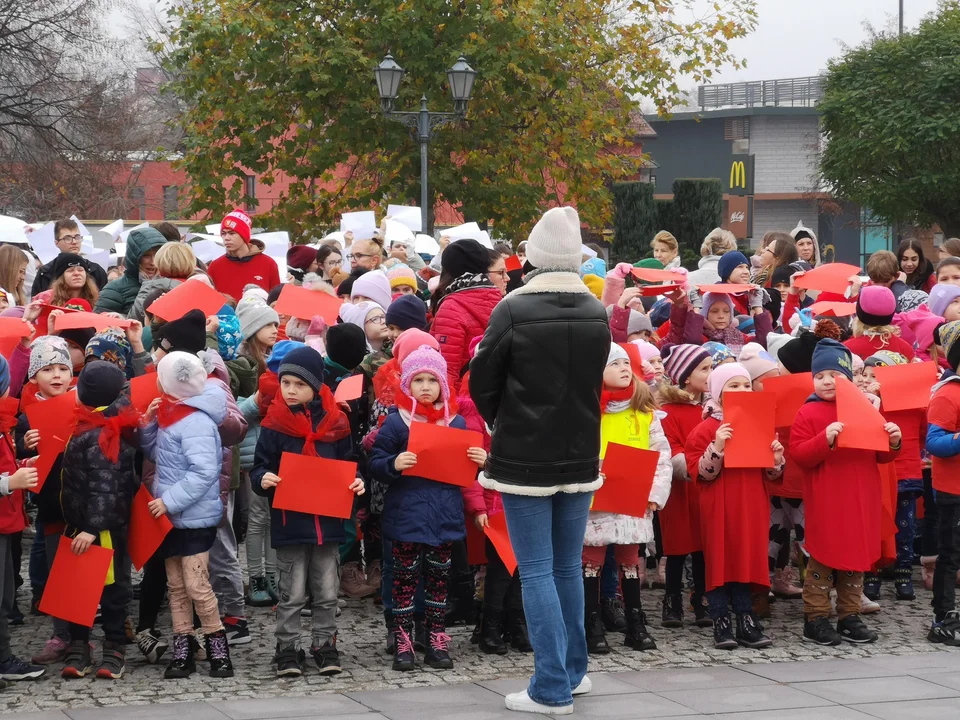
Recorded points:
(188, 459)
(286, 526)
(415, 509)
(248, 446)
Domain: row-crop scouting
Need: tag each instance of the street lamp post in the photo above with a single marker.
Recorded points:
(388, 75)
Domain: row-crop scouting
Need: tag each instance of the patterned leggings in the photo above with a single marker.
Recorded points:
(409, 559)
(906, 527)
(785, 513)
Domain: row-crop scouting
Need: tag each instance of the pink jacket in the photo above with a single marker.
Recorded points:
(476, 499)
(461, 317)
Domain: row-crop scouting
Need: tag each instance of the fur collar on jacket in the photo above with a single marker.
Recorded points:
(548, 281)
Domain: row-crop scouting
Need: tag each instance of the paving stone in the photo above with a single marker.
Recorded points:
(642, 705)
(422, 698)
(283, 707)
(744, 699)
(486, 713)
(793, 672)
(939, 708)
(603, 684)
(661, 681)
(159, 711)
(832, 712)
(892, 689)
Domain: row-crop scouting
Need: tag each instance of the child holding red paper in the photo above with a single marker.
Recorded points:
(304, 419)
(13, 481)
(913, 426)
(628, 418)
(99, 481)
(734, 517)
(842, 498)
(688, 366)
(48, 376)
(421, 517)
(183, 439)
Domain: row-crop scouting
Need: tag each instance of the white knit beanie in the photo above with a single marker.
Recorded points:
(255, 315)
(616, 353)
(181, 374)
(554, 242)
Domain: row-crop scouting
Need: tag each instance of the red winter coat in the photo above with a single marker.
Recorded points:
(791, 484)
(12, 517)
(734, 517)
(680, 517)
(841, 492)
(913, 426)
(462, 316)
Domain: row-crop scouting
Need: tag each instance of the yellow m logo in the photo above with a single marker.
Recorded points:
(738, 175)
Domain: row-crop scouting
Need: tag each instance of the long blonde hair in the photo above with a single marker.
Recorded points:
(11, 259)
(643, 399)
(884, 332)
(61, 293)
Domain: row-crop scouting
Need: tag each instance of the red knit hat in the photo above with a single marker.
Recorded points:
(239, 222)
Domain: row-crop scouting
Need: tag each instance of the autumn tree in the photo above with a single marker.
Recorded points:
(890, 126)
(285, 88)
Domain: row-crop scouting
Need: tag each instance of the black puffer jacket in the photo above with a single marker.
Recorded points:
(97, 493)
(536, 381)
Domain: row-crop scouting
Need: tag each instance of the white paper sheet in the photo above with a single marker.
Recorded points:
(396, 231)
(126, 233)
(44, 243)
(12, 230)
(213, 229)
(337, 236)
(100, 257)
(409, 215)
(207, 250)
(590, 252)
(113, 229)
(363, 224)
(427, 244)
(276, 245)
(81, 228)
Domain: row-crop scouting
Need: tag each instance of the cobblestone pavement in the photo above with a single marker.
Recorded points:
(902, 627)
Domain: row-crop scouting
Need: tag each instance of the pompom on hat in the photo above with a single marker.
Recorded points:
(181, 374)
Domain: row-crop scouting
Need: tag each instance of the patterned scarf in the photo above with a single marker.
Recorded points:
(334, 426)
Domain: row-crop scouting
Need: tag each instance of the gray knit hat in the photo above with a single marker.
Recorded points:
(48, 350)
(555, 242)
(255, 315)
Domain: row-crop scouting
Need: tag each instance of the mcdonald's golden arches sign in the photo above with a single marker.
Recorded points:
(741, 175)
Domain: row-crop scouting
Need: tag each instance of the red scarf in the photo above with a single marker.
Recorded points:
(268, 385)
(334, 426)
(111, 428)
(8, 414)
(609, 396)
(431, 413)
(172, 411)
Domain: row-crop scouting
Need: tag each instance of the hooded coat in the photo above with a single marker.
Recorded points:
(188, 458)
(119, 295)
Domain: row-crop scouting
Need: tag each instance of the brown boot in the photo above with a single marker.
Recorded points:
(761, 604)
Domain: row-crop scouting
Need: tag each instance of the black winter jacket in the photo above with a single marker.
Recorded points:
(97, 493)
(48, 499)
(44, 278)
(288, 527)
(536, 381)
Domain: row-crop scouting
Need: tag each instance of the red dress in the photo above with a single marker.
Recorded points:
(841, 492)
(734, 517)
(680, 517)
(791, 485)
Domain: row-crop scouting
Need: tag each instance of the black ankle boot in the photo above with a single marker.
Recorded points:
(750, 632)
(391, 631)
(701, 616)
(491, 632)
(182, 664)
(904, 584)
(672, 611)
(637, 636)
(218, 653)
(519, 637)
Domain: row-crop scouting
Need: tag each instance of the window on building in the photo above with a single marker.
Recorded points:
(138, 202)
(736, 129)
(250, 191)
(171, 209)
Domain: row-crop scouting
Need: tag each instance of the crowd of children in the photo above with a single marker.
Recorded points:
(240, 389)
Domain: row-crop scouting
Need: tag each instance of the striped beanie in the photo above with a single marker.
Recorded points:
(949, 334)
(681, 360)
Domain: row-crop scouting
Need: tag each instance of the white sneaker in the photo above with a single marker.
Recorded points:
(584, 687)
(521, 702)
(868, 606)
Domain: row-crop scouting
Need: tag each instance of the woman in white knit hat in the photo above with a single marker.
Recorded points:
(536, 380)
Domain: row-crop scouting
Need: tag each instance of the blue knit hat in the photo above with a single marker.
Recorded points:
(4, 375)
(407, 311)
(304, 363)
(279, 352)
(229, 335)
(729, 262)
(831, 355)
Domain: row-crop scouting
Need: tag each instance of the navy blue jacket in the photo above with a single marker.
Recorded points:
(415, 509)
(286, 526)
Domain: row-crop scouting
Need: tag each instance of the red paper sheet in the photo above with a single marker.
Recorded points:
(349, 389)
(55, 419)
(497, 532)
(315, 485)
(658, 276)
(726, 288)
(906, 387)
(84, 320)
(299, 302)
(832, 277)
(636, 361)
(752, 417)
(188, 295)
(75, 583)
(476, 548)
(628, 479)
(651, 290)
(146, 532)
(513, 263)
(837, 309)
(862, 422)
(791, 392)
(143, 391)
(442, 453)
(12, 330)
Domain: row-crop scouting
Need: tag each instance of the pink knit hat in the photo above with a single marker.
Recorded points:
(410, 340)
(402, 275)
(426, 360)
(876, 306)
(721, 375)
(756, 360)
(647, 350)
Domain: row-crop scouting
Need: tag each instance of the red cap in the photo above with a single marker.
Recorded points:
(239, 222)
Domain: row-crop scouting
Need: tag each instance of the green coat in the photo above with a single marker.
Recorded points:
(118, 296)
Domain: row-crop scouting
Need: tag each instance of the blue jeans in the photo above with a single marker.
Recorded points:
(547, 538)
(610, 576)
(386, 582)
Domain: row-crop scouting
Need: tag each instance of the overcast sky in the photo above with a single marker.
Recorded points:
(795, 38)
